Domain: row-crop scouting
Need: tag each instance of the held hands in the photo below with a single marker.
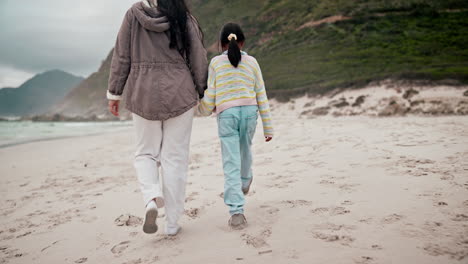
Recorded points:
(114, 107)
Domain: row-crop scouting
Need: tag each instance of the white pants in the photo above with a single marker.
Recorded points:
(164, 144)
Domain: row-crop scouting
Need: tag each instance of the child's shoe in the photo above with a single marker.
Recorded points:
(237, 221)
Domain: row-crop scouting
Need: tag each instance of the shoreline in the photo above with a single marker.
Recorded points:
(301, 116)
(9, 145)
(46, 130)
(27, 141)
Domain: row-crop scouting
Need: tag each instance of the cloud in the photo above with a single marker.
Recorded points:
(74, 36)
(10, 77)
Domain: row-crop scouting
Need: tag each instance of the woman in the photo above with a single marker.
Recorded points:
(160, 60)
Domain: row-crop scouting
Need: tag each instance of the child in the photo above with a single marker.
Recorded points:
(236, 92)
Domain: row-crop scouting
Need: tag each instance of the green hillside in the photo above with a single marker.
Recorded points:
(376, 40)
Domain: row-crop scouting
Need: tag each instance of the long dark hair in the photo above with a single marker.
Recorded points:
(178, 15)
(234, 53)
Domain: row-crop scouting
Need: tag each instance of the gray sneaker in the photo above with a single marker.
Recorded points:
(237, 221)
(246, 189)
(150, 226)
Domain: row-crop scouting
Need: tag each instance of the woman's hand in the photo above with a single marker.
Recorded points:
(268, 139)
(114, 107)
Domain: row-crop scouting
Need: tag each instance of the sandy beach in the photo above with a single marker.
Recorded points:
(326, 190)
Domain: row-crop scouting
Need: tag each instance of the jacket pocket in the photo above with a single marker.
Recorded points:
(177, 87)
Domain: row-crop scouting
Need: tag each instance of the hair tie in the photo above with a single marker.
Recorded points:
(232, 36)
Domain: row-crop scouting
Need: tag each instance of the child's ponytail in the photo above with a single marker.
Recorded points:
(232, 35)
(234, 53)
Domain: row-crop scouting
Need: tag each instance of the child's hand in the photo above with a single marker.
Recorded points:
(268, 139)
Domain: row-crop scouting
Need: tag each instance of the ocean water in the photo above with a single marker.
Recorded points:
(18, 132)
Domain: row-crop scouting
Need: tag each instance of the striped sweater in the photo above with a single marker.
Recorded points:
(230, 87)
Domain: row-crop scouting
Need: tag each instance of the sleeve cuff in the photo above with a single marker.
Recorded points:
(268, 133)
(113, 97)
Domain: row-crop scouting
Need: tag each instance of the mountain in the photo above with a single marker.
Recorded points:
(89, 97)
(307, 46)
(38, 94)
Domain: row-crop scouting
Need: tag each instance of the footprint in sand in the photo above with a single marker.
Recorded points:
(137, 261)
(376, 247)
(64, 217)
(332, 211)
(438, 250)
(254, 241)
(334, 227)
(23, 235)
(128, 220)
(440, 204)
(339, 211)
(347, 187)
(193, 213)
(166, 240)
(121, 247)
(282, 182)
(342, 239)
(331, 232)
(296, 203)
(320, 210)
(460, 218)
(326, 182)
(191, 196)
(11, 253)
(343, 187)
(81, 260)
(364, 260)
(393, 218)
(258, 241)
(269, 209)
(24, 184)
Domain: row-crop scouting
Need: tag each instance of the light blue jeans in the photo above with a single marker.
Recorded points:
(236, 128)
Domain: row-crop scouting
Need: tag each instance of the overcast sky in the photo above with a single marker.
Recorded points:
(40, 35)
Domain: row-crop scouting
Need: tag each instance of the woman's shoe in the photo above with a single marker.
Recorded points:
(150, 226)
(173, 231)
(237, 221)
